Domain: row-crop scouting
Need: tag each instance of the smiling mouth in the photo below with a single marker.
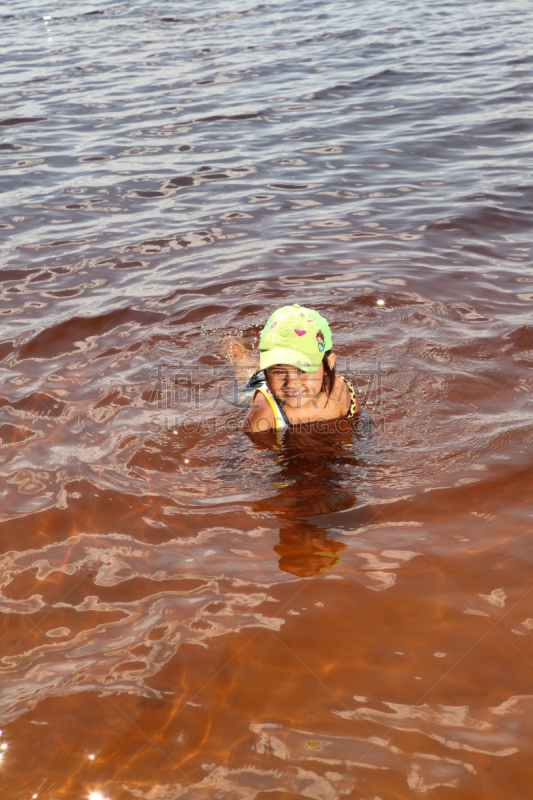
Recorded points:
(294, 394)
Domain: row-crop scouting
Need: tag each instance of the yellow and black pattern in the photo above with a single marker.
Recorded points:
(353, 400)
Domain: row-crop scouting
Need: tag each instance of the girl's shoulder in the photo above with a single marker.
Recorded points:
(260, 417)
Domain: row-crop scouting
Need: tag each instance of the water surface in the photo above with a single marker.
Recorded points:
(188, 613)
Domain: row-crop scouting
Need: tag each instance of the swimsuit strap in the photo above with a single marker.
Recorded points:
(283, 414)
(280, 418)
(353, 400)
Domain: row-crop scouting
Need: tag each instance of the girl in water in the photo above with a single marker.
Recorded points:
(296, 383)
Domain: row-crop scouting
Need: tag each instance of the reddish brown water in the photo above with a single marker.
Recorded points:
(187, 613)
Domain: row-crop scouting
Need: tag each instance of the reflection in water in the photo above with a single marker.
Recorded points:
(307, 550)
(315, 473)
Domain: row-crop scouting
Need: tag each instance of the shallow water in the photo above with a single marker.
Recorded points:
(189, 613)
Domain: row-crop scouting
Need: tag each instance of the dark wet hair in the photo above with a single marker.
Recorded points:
(328, 381)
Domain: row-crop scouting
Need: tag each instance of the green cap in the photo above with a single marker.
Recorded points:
(297, 336)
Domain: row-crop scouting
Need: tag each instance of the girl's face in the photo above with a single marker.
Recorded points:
(294, 387)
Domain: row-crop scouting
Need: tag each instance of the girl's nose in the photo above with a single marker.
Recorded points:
(293, 380)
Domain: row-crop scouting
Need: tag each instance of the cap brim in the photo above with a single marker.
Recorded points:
(280, 355)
